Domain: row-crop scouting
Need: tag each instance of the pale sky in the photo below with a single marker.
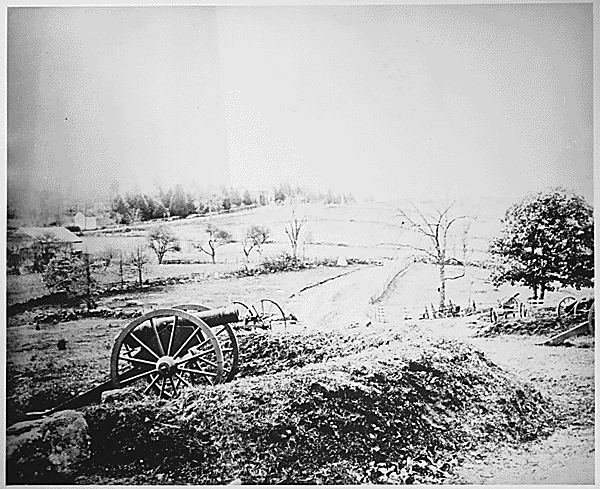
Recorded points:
(397, 101)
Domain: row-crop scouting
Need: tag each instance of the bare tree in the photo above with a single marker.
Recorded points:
(216, 238)
(255, 238)
(247, 247)
(435, 229)
(107, 256)
(293, 228)
(161, 240)
(121, 265)
(138, 261)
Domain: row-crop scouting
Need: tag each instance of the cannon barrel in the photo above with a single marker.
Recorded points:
(219, 317)
(212, 317)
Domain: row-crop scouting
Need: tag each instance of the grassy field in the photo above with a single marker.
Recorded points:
(362, 230)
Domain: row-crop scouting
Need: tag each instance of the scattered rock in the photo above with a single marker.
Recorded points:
(46, 450)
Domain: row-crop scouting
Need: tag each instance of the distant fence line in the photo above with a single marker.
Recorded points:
(400, 268)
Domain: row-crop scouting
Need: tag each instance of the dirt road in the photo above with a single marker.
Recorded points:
(563, 373)
(339, 303)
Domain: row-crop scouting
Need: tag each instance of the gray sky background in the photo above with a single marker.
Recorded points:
(400, 101)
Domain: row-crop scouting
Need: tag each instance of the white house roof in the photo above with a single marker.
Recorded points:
(61, 234)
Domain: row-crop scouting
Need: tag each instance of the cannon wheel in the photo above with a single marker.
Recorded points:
(228, 342)
(493, 316)
(246, 313)
(269, 313)
(165, 350)
(522, 310)
(580, 307)
(563, 304)
(592, 318)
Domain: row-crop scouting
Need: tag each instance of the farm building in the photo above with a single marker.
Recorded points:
(24, 237)
(85, 222)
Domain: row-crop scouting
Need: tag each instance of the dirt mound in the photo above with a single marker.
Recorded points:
(545, 324)
(399, 414)
(263, 352)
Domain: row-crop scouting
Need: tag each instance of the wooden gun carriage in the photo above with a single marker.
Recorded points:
(166, 350)
(508, 306)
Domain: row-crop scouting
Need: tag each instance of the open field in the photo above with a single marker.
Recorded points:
(362, 230)
(326, 299)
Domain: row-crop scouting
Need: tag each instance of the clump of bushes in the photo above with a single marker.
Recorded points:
(397, 415)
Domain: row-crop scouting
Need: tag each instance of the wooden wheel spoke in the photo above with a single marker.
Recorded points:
(174, 387)
(171, 336)
(136, 360)
(160, 345)
(137, 377)
(198, 357)
(144, 345)
(162, 387)
(182, 379)
(194, 356)
(151, 384)
(182, 347)
(197, 372)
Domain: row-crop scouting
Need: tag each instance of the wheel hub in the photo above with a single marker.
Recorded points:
(166, 366)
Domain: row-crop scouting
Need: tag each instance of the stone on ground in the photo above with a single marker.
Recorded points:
(46, 450)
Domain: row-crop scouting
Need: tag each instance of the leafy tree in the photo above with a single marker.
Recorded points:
(43, 249)
(226, 203)
(162, 240)
(148, 207)
(165, 197)
(136, 206)
(138, 260)
(15, 257)
(73, 274)
(279, 197)
(547, 239)
(262, 199)
(159, 211)
(236, 200)
(180, 202)
(434, 232)
(216, 238)
(247, 199)
(293, 228)
(119, 211)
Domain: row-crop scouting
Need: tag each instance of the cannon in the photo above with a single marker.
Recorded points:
(508, 306)
(264, 314)
(165, 350)
(571, 308)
